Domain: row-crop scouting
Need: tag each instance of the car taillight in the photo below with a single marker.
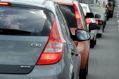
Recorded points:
(5, 3)
(77, 14)
(88, 20)
(76, 11)
(53, 50)
(99, 22)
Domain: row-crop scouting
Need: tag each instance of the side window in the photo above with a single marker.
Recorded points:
(62, 22)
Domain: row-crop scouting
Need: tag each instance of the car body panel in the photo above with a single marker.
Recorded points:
(64, 69)
(82, 46)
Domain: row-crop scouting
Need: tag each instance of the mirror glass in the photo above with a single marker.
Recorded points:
(82, 35)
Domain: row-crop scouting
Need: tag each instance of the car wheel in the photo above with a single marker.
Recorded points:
(99, 35)
(95, 41)
(72, 77)
(111, 15)
(84, 72)
(107, 18)
(92, 43)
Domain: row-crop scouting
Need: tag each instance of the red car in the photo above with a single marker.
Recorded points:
(75, 19)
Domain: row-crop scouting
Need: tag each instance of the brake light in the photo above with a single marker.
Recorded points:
(76, 11)
(77, 14)
(88, 20)
(53, 50)
(5, 4)
(99, 22)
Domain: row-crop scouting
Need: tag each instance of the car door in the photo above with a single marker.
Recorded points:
(75, 56)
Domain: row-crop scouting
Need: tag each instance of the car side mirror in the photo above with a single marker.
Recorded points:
(97, 16)
(82, 35)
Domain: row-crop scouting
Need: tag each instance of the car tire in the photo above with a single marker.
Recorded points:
(107, 18)
(92, 43)
(111, 15)
(84, 72)
(72, 77)
(95, 42)
(99, 35)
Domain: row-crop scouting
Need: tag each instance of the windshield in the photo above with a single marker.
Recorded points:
(87, 1)
(19, 21)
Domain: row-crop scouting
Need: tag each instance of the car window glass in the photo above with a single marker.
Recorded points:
(61, 22)
(69, 15)
(34, 22)
(70, 19)
(86, 1)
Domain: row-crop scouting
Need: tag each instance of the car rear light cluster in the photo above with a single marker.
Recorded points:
(53, 50)
(99, 22)
(5, 3)
(88, 21)
(76, 11)
(77, 14)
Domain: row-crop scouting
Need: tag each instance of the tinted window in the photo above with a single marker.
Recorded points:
(69, 15)
(86, 1)
(17, 21)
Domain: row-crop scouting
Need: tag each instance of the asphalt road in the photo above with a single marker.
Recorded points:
(104, 58)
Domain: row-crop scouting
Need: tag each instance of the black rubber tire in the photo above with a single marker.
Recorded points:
(111, 15)
(92, 43)
(107, 18)
(104, 25)
(99, 35)
(83, 73)
(95, 42)
(72, 77)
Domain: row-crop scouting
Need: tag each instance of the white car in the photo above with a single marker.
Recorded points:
(99, 7)
(86, 10)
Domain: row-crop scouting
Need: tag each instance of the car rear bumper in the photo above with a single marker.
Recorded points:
(41, 72)
(93, 33)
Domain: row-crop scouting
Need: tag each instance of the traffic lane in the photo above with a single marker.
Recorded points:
(103, 63)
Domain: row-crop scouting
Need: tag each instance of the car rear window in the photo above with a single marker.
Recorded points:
(29, 22)
(86, 1)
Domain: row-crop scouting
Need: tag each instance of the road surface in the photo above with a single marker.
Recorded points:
(104, 58)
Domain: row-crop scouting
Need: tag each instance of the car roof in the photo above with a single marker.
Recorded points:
(67, 2)
(30, 2)
(47, 4)
(83, 4)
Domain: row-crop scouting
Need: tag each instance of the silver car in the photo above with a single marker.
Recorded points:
(35, 42)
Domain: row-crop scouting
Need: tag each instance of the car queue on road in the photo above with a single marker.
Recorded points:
(49, 39)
